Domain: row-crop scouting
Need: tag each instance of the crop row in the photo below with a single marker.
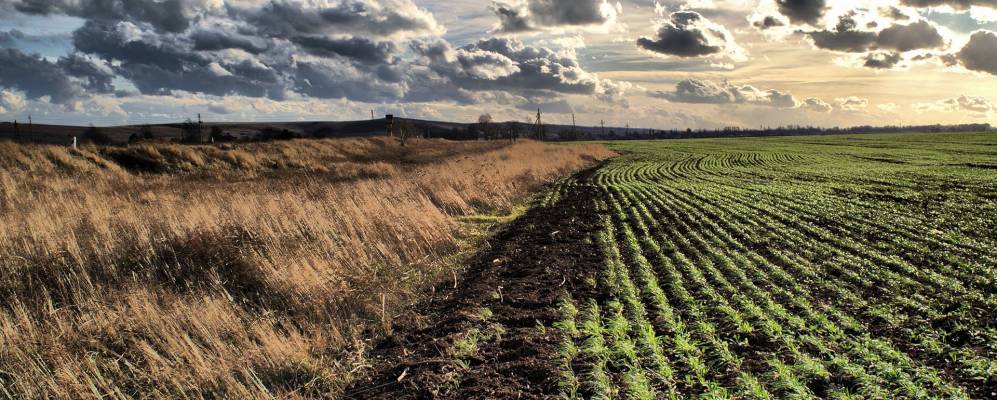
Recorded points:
(755, 275)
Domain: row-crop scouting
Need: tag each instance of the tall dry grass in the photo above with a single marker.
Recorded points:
(243, 271)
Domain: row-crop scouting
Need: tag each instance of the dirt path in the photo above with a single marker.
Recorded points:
(491, 337)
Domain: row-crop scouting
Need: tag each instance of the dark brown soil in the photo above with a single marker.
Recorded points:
(519, 278)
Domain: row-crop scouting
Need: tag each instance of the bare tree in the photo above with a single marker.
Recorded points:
(191, 132)
(485, 125)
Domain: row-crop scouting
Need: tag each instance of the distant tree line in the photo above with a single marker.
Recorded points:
(485, 128)
(567, 133)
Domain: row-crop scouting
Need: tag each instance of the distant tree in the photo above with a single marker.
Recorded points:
(406, 130)
(217, 133)
(96, 136)
(191, 132)
(485, 126)
(146, 132)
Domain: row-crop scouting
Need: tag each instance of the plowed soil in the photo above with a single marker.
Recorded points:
(532, 260)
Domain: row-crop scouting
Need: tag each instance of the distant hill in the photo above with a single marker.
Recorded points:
(252, 131)
(63, 134)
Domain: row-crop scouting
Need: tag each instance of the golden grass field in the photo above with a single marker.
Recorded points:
(236, 271)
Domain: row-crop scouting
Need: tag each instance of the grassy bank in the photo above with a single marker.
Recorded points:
(244, 271)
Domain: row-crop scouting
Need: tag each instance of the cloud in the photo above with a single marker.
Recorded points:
(508, 64)
(852, 103)
(274, 49)
(215, 40)
(36, 77)
(975, 104)
(559, 106)
(384, 18)
(915, 36)
(882, 60)
(10, 101)
(846, 37)
(158, 64)
(8, 38)
(963, 103)
(164, 15)
(536, 15)
(980, 54)
(802, 11)
(96, 76)
(894, 13)
(888, 107)
(956, 4)
(361, 49)
(699, 91)
(768, 22)
(818, 105)
(332, 81)
(689, 34)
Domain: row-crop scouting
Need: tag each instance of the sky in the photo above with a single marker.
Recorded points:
(666, 64)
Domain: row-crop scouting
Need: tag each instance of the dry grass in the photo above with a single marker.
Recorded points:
(247, 271)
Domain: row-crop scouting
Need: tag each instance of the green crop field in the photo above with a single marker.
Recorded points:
(806, 267)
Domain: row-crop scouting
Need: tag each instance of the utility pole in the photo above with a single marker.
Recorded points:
(573, 127)
(540, 127)
(31, 128)
(200, 129)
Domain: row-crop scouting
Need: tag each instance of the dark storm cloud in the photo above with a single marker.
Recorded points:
(371, 51)
(36, 77)
(542, 14)
(165, 15)
(168, 64)
(95, 78)
(16, 38)
(768, 22)
(980, 54)
(699, 91)
(340, 49)
(846, 38)
(9, 38)
(918, 35)
(361, 49)
(210, 40)
(508, 64)
(286, 19)
(685, 35)
(802, 11)
(956, 4)
(882, 60)
(111, 41)
(328, 82)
